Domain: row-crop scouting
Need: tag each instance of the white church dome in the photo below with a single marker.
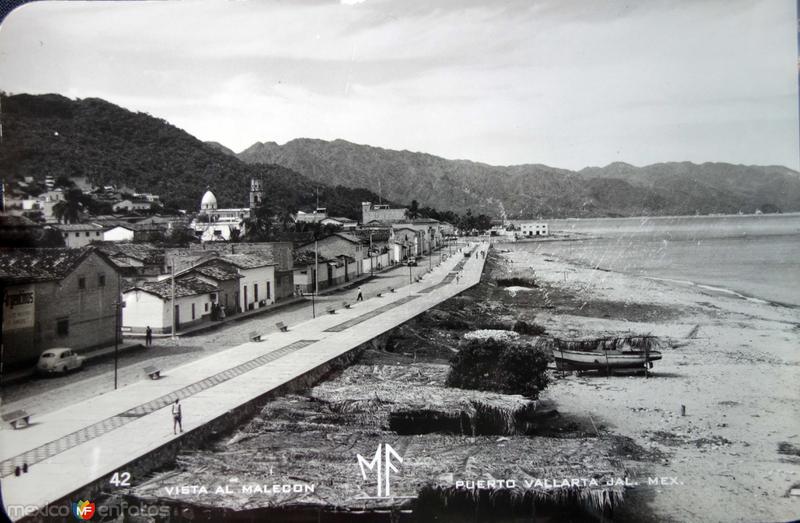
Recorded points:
(209, 201)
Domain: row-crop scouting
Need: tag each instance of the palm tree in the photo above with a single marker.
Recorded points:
(67, 211)
(235, 235)
(413, 211)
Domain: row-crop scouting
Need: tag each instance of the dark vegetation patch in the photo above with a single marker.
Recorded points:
(499, 366)
(788, 449)
(530, 329)
(516, 282)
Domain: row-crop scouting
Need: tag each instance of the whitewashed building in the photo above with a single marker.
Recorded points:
(528, 229)
(77, 235)
(119, 233)
(314, 216)
(257, 282)
(149, 305)
(346, 224)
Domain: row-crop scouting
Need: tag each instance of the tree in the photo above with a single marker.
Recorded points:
(236, 235)
(180, 236)
(286, 220)
(63, 182)
(259, 225)
(413, 211)
(69, 209)
(483, 222)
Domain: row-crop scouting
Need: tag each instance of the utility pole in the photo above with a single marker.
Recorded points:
(371, 259)
(172, 267)
(117, 310)
(430, 249)
(316, 280)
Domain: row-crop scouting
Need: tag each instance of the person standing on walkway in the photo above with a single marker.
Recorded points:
(360, 296)
(177, 415)
(148, 336)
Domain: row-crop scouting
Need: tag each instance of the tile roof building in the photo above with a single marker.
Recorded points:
(56, 298)
(150, 304)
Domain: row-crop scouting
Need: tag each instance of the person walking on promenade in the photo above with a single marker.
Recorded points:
(360, 296)
(176, 416)
(148, 336)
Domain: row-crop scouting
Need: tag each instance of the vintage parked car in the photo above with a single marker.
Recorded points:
(411, 262)
(59, 360)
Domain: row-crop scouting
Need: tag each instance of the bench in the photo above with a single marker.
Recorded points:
(330, 309)
(282, 326)
(152, 372)
(18, 419)
(254, 336)
(346, 305)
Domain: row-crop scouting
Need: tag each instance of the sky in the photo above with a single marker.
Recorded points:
(565, 83)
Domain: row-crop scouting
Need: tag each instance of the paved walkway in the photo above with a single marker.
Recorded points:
(69, 448)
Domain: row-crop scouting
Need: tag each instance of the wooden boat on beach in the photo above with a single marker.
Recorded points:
(604, 359)
(631, 352)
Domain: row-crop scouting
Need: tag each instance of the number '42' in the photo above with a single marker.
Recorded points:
(121, 479)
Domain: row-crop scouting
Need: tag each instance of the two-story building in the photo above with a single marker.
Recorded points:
(56, 298)
(350, 247)
(77, 235)
(529, 229)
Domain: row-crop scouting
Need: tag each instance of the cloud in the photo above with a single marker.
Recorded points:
(564, 82)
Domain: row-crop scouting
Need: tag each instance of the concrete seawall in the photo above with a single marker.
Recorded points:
(72, 454)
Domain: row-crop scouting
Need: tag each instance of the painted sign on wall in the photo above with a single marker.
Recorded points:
(18, 308)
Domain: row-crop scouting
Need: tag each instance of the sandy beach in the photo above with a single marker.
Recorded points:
(732, 362)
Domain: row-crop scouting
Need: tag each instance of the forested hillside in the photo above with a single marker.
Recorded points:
(53, 135)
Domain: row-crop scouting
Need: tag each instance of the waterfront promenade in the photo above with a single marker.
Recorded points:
(70, 448)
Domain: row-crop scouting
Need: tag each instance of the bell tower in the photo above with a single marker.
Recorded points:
(256, 192)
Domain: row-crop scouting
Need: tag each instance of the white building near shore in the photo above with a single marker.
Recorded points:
(529, 229)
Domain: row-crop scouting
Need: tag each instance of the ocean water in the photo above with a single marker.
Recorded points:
(754, 256)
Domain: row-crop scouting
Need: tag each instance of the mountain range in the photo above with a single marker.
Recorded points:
(53, 135)
(535, 190)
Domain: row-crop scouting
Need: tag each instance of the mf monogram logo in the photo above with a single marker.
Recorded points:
(382, 466)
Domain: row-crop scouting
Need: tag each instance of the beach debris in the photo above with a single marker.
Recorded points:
(693, 333)
(786, 448)
(497, 334)
(513, 290)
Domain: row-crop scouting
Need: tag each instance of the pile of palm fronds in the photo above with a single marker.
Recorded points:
(325, 458)
(500, 366)
(644, 343)
(413, 399)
